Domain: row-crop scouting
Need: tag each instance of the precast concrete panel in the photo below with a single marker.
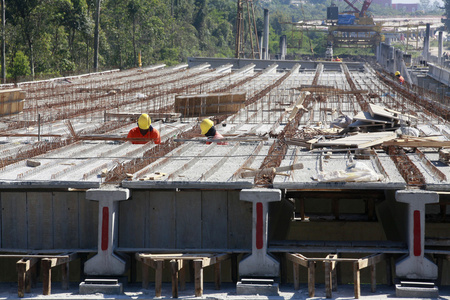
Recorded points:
(132, 214)
(160, 221)
(14, 220)
(65, 220)
(188, 219)
(88, 222)
(214, 219)
(40, 220)
(239, 222)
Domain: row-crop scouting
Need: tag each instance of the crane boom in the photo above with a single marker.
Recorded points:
(365, 7)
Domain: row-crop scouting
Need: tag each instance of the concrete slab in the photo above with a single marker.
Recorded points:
(103, 286)
(256, 286)
(410, 289)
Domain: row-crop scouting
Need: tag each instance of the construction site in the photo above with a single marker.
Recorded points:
(329, 173)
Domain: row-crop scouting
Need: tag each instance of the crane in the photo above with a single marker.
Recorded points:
(361, 12)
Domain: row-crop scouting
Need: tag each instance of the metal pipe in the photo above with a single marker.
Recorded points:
(266, 34)
(283, 47)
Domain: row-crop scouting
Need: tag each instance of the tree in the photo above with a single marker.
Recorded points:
(20, 66)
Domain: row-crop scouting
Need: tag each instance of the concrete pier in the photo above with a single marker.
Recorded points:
(106, 262)
(416, 265)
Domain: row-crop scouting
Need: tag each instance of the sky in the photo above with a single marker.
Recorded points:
(413, 1)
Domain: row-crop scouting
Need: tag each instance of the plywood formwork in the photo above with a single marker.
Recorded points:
(11, 101)
(209, 104)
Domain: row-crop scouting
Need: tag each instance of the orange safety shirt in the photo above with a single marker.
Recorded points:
(150, 135)
(217, 136)
(401, 79)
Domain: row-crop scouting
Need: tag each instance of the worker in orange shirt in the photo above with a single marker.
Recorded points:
(144, 131)
(401, 80)
(208, 129)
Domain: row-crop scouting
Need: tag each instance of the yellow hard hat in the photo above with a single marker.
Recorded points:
(397, 73)
(206, 125)
(144, 122)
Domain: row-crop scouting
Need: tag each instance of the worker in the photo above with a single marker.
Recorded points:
(401, 80)
(144, 131)
(208, 129)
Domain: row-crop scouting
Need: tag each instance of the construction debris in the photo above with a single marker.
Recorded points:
(379, 118)
(360, 140)
(444, 156)
(33, 163)
(154, 176)
(270, 171)
(355, 172)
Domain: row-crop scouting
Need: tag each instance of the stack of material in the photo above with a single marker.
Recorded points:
(444, 156)
(209, 104)
(380, 119)
(11, 101)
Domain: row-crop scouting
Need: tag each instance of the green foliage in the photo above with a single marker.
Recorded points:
(20, 66)
(57, 35)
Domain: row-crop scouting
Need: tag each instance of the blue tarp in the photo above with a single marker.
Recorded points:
(346, 19)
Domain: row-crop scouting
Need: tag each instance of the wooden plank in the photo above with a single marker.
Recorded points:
(23, 267)
(145, 278)
(46, 264)
(188, 219)
(217, 275)
(239, 222)
(14, 226)
(161, 210)
(356, 280)
(174, 268)
(311, 278)
(298, 259)
(373, 278)
(214, 215)
(132, 217)
(88, 224)
(296, 271)
(388, 113)
(158, 278)
(40, 220)
(330, 267)
(207, 104)
(65, 276)
(416, 143)
(361, 140)
(198, 269)
(66, 210)
(370, 260)
(328, 281)
(367, 117)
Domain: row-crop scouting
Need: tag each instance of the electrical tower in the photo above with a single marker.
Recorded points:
(247, 44)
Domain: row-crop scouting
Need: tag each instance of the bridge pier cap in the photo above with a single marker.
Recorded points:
(259, 263)
(415, 265)
(106, 262)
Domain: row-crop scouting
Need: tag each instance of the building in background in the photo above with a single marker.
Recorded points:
(408, 7)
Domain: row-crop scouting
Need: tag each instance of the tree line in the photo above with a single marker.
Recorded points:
(48, 38)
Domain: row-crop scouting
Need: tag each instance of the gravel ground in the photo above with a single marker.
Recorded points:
(227, 292)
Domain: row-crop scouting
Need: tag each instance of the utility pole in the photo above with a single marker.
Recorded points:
(96, 35)
(3, 43)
